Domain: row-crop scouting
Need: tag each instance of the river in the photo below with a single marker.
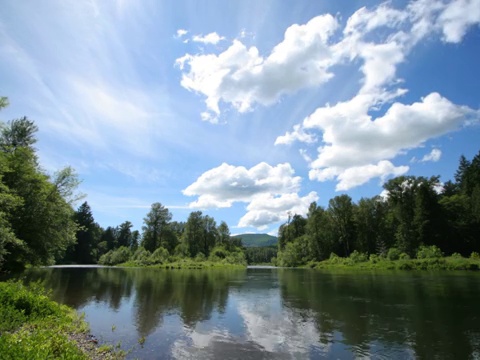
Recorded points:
(270, 313)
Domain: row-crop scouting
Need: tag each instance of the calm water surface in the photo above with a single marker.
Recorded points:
(275, 313)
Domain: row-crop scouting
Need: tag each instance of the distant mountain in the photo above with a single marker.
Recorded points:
(257, 240)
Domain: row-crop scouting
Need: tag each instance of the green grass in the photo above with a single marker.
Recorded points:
(444, 263)
(34, 327)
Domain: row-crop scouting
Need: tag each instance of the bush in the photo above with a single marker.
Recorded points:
(475, 255)
(117, 256)
(235, 258)
(404, 256)
(456, 255)
(429, 252)
(141, 256)
(181, 250)
(374, 258)
(200, 257)
(218, 253)
(393, 254)
(34, 327)
(358, 257)
(334, 258)
(159, 256)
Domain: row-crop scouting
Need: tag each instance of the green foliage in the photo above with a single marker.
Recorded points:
(429, 252)
(257, 240)
(218, 253)
(393, 254)
(200, 257)
(36, 223)
(156, 228)
(117, 256)
(159, 256)
(260, 255)
(34, 327)
(358, 257)
(475, 255)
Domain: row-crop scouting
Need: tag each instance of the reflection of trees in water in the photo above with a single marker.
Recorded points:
(193, 294)
(77, 287)
(435, 315)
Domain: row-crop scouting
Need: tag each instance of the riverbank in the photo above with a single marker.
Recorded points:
(185, 264)
(378, 263)
(34, 327)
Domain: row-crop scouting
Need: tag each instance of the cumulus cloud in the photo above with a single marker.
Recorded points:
(212, 38)
(242, 77)
(270, 192)
(266, 209)
(353, 145)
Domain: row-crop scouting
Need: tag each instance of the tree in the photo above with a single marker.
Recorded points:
(124, 234)
(85, 250)
(109, 238)
(155, 227)
(371, 225)
(17, 134)
(200, 234)
(341, 209)
(44, 222)
(223, 235)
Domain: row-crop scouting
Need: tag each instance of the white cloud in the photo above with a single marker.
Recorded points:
(241, 77)
(434, 156)
(354, 142)
(212, 38)
(267, 209)
(298, 134)
(225, 184)
(457, 17)
(270, 192)
(181, 33)
(354, 146)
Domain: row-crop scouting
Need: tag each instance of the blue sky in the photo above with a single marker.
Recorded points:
(245, 110)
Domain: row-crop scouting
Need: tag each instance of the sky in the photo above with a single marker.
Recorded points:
(245, 110)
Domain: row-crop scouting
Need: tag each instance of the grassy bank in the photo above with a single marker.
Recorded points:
(378, 263)
(34, 327)
(185, 264)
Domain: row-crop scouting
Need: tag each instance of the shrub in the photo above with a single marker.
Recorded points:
(358, 257)
(393, 254)
(404, 256)
(181, 250)
(456, 255)
(475, 255)
(374, 258)
(159, 256)
(334, 258)
(429, 252)
(218, 253)
(142, 256)
(117, 256)
(200, 257)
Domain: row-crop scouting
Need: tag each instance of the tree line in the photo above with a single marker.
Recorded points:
(413, 212)
(40, 226)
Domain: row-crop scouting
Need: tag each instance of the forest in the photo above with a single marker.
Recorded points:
(39, 224)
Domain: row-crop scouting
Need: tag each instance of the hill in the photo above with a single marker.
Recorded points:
(257, 240)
